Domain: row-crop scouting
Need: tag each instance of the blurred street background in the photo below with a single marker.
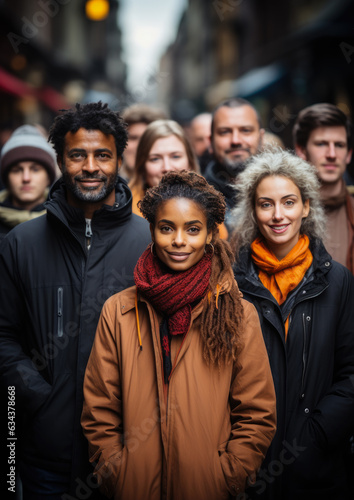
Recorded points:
(183, 56)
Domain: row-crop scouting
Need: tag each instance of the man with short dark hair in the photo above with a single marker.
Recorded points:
(56, 273)
(28, 168)
(323, 136)
(236, 135)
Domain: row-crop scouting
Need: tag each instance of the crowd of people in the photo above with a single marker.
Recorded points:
(176, 315)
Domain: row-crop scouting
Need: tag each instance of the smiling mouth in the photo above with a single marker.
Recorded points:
(237, 151)
(178, 256)
(279, 229)
(90, 184)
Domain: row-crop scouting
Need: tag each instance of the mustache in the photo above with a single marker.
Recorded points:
(88, 176)
(237, 148)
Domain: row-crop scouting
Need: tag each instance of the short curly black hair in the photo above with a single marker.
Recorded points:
(185, 184)
(91, 116)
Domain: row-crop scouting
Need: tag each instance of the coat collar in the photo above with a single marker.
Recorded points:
(245, 270)
(117, 214)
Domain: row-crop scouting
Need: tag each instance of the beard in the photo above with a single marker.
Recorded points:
(90, 194)
(234, 167)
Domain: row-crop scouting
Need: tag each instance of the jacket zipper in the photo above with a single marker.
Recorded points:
(304, 357)
(60, 311)
(88, 233)
(304, 353)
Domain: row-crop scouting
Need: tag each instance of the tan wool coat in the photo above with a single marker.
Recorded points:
(202, 436)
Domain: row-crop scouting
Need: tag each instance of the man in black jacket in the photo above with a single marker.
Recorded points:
(236, 135)
(56, 273)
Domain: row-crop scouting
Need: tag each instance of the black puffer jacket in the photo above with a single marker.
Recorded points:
(52, 291)
(314, 379)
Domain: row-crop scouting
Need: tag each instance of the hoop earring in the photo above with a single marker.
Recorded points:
(212, 248)
(152, 247)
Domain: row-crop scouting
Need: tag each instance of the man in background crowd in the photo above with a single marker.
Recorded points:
(323, 136)
(28, 168)
(236, 135)
(199, 131)
(137, 117)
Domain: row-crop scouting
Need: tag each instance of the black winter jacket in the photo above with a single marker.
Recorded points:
(217, 176)
(52, 291)
(313, 375)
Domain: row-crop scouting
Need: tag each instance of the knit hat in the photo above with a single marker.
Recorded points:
(25, 144)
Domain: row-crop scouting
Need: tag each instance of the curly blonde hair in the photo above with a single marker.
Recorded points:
(275, 162)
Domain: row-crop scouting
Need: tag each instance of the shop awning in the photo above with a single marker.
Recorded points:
(50, 97)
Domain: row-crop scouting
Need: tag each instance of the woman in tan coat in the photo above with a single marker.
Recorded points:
(179, 397)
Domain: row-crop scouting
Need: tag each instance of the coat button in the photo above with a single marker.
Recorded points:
(307, 410)
(327, 264)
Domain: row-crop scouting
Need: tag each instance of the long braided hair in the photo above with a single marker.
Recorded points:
(222, 316)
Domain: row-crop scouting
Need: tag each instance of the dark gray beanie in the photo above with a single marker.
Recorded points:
(27, 144)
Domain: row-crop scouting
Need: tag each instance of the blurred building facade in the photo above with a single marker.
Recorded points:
(282, 56)
(51, 55)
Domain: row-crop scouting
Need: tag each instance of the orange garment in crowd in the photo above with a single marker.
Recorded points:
(280, 277)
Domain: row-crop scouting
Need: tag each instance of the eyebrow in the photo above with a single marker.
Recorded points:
(166, 221)
(81, 150)
(230, 127)
(19, 164)
(170, 152)
(271, 199)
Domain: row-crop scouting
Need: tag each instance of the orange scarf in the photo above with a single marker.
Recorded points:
(280, 277)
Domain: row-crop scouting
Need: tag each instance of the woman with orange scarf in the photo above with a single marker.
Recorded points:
(305, 304)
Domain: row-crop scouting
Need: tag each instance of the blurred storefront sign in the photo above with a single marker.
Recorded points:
(50, 97)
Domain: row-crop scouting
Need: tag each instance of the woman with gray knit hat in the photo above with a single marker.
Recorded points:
(27, 169)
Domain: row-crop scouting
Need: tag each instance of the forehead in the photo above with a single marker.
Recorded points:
(238, 116)
(137, 128)
(335, 133)
(276, 186)
(89, 140)
(201, 124)
(180, 210)
(165, 144)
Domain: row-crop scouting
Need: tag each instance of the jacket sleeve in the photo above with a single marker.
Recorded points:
(101, 418)
(253, 408)
(16, 368)
(333, 416)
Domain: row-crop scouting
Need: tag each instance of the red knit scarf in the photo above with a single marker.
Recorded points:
(172, 292)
